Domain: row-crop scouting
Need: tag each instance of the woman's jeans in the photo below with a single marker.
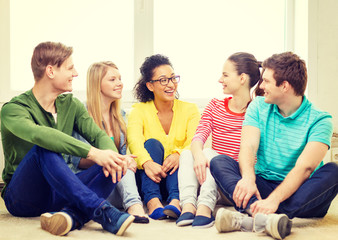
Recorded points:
(151, 189)
(188, 183)
(125, 194)
(312, 199)
(43, 182)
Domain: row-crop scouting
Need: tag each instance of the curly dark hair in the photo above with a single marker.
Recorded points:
(141, 92)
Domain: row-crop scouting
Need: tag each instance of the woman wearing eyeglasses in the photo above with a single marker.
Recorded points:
(159, 128)
(223, 120)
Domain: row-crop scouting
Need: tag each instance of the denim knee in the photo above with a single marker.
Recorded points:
(153, 143)
(332, 170)
(220, 161)
(214, 162)
(155, 150)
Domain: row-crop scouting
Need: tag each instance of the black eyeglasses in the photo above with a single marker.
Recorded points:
(164, 81)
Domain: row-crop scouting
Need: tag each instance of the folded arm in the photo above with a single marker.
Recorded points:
(310, 158)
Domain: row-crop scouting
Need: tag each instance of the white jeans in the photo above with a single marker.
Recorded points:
(188, 183)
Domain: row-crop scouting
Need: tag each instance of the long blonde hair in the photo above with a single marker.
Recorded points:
(95, 74)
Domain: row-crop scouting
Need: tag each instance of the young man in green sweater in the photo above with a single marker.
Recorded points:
(36, 129)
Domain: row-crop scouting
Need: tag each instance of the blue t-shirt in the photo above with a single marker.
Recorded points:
(282, 139)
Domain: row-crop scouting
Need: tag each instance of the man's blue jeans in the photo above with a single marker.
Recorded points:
(312, 199)
(151, 189)
(43, 182)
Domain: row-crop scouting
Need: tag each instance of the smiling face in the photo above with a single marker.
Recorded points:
(163, 93)
(272, 93)
(230, 79)
(63, 76)
(111, 85)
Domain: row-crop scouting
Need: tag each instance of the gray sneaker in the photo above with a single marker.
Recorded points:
(276, 225)
(228, 221)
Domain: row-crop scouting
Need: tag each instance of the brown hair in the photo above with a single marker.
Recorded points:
(288, 67)
(248, 64)
(48, 53)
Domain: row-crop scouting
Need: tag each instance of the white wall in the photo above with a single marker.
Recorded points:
(4, 47)
(4, 60)
(327, 57)
(315, 40)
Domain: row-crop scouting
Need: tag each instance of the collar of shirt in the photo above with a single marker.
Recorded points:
(152, 103)
(303, 106)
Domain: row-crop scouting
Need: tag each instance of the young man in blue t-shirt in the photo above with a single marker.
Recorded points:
(289, 138)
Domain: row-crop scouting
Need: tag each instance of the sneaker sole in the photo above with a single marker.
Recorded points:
(125, 225)
(282, 228)
(57, 224)
(218, 220)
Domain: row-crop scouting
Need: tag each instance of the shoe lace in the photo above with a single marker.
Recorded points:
(237, 221)
(111, 214)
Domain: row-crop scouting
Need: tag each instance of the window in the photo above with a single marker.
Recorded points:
(97, 30)
(198, 36)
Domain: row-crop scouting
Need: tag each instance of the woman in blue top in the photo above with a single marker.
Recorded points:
(104, 91)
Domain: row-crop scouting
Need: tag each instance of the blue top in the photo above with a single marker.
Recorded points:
(282, 139)
(73, 161)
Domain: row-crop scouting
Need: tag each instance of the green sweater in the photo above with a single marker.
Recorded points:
(24, 123)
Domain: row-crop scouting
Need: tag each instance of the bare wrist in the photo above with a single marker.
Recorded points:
(249, 177)
(146, 163)
(91, 154)
(274, 197)
(175, 152)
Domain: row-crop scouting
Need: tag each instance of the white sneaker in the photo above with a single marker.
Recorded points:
(227, 221)
(276, 225)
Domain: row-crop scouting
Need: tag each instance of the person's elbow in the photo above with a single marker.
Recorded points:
(305, 170)
(308, 171)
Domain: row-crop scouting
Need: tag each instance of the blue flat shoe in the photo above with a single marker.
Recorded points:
(158, 214)
(185, 219)
(203, 222)
(171, 211)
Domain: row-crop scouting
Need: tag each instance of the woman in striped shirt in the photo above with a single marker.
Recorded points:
(222, 118)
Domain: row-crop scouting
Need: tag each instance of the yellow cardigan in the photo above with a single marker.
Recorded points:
(143, 124)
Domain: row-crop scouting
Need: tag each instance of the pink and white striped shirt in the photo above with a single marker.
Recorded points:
(225, 126)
